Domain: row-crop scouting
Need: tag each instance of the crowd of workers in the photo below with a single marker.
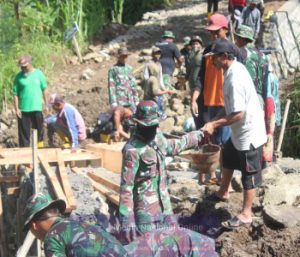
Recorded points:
(234, 101)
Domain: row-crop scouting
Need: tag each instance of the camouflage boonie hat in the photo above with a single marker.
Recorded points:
(168, 34)
(39, 202)
(147, 114)
(186, 41)
(244, 31)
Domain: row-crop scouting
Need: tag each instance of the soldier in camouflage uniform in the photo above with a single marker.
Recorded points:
(67, 238)
(64, 237)
(254, 60)
(257, 65)
(121, 83)
(144, 199)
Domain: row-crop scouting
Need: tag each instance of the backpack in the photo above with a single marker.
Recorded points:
(257, 66)
(104, 125)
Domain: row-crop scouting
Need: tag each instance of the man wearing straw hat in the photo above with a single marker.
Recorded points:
(144, 199)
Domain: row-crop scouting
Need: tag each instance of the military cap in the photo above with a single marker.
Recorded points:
(39, 202)
(196, 38)
(147, 114)
(244, 31)
(168, 34)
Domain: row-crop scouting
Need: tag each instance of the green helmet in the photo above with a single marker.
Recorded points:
(168, 34)
(38, 202)
(244, 31)
(147, 113)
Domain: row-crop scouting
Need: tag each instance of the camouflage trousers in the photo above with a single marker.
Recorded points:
(172, 241)
(167, 82)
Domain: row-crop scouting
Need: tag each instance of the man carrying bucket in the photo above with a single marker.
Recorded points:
(246, 118)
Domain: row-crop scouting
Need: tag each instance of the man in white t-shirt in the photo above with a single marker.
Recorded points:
(244, 115)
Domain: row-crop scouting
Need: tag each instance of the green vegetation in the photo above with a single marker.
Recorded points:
(37, 27)
(291, 146)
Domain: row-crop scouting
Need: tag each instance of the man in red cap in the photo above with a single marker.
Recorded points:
(208, 99)
(29, 89)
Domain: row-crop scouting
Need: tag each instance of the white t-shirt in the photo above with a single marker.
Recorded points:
(240, 96)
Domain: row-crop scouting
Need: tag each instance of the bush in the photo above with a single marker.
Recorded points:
(291, 146)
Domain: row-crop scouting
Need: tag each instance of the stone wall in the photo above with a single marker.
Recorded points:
(283, 34)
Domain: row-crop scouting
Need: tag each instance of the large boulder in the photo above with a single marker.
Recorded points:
(167, 125)
(271, 174)
(283, 216)
(284, 191)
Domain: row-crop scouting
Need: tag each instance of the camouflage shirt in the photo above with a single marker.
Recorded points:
(257, 66)
(144, 196)
(122, 87)
(67, 238)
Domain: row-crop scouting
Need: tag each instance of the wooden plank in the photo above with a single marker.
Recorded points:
(109, 194)
(54, 181)
(9, 179)
(2, 231)
(25, 247)
(8, 157)
(111, 155)
(65, 181)
(104, 181)
(12, 190)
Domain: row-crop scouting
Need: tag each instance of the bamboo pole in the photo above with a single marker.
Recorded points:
(24, 249)
(77, 49)
(35, 172)
(3, 248)
(285, 115)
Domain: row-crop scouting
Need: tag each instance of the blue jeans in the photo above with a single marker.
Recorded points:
(222, 134)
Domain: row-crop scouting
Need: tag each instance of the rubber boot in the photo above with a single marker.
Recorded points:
(65, 139)
(40, 144)
(209, 14)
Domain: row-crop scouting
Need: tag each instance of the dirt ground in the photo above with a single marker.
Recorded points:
(90, 97)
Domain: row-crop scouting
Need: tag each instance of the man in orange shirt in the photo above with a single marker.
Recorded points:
(208, 99)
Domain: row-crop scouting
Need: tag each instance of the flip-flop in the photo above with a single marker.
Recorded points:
(234, 223)
(214, 198)
(212, 182)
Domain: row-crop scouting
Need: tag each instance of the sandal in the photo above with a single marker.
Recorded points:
(234, 223)
(212, 182)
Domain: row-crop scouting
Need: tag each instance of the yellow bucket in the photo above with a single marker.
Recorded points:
(105, 138)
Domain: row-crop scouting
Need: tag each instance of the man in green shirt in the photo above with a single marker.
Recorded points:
(29, 88)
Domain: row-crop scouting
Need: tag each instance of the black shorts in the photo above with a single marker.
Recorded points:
(248, 162)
